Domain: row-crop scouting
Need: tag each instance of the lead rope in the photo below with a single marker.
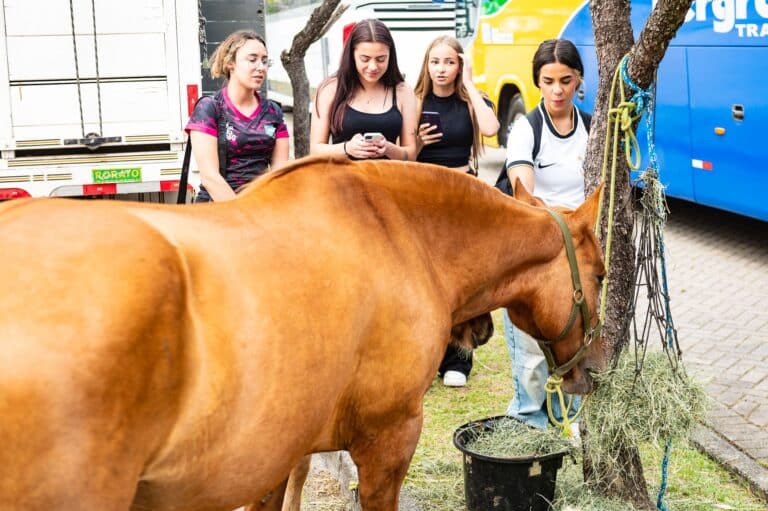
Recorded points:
(654, 210)
(77, 68)
(619, 127)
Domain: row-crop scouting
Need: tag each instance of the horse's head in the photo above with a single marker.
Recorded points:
(561, 308)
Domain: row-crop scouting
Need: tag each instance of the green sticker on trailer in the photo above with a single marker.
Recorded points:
(124, 175)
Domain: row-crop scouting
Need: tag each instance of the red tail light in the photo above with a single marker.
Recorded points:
(169, 186)
(100, 189)
(13, 193)
(193, 93)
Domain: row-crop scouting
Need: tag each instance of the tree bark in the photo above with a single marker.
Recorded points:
(318, 24)
(613, 40)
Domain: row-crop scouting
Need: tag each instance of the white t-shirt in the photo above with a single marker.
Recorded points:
(558, 174)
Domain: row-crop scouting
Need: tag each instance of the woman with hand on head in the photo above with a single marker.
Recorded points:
(445, 86)
(545, 150)
(366, 95)
(255, 138)
(465, 115)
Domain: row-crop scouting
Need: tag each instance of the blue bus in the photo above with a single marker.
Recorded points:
(711, 98)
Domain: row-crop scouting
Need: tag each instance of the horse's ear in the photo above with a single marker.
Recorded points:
(521, 193)
(587, 212)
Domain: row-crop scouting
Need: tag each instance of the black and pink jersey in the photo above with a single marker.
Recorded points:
(250, 139)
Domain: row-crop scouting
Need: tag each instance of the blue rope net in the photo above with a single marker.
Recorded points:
(650, 262)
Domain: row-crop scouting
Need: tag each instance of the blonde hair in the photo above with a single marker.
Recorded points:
(225, 53)
(424, 87)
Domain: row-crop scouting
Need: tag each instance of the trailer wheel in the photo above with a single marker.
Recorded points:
(515, 109)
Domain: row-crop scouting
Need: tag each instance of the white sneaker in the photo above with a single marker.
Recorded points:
(454, 379)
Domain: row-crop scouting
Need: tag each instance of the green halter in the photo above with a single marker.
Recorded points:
(579, 305)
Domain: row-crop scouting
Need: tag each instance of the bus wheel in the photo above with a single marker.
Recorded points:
(515, 109)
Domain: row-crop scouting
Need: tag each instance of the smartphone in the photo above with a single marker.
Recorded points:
(432, 118)
(373, 137)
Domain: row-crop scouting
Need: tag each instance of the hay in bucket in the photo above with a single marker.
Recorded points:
(510, 438)
(653, 407)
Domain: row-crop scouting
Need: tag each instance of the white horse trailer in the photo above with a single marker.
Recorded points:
(94, 94)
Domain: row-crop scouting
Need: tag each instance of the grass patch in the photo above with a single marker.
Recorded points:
(435, 478)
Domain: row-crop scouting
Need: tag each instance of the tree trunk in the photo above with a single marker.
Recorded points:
(613, 40)
(318, 24)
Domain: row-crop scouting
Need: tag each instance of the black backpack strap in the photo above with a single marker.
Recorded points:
(221, 132)
(502, 182)
(586, 119)
(181, 198)
(536, 122)
(221, 142)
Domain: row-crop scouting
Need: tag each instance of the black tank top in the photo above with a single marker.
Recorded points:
(389, 123)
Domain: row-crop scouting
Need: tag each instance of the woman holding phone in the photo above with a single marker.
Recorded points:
(454, 117)
(365, 108)
(445, 90)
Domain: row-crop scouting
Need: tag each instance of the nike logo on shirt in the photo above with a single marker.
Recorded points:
(543, 166)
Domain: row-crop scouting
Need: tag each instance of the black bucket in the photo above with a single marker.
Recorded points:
(505, 484)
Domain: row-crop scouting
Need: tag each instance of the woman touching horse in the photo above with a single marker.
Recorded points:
(545, 151)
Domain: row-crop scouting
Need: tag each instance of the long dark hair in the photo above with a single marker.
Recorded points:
(347, 80)
(561, 51)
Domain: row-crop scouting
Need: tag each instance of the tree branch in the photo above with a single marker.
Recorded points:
(318, 24)
(662, 25)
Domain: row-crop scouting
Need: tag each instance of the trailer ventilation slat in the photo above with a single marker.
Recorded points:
(15, 179)
(42, 142)
(93, 159)
(147, 138)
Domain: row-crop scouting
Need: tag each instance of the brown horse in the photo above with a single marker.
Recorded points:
(186, 357)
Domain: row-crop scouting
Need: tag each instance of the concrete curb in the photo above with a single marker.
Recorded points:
(732, 459)
(341, 467)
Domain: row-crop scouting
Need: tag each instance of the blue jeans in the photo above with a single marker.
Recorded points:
(529, 374)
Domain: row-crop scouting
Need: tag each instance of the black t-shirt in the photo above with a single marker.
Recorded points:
(454, 148)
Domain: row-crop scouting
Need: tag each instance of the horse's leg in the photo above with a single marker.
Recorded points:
(273, 501)
(382, 461)
(288, 493)
(292, 499)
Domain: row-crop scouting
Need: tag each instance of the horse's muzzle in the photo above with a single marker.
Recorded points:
(578, 381)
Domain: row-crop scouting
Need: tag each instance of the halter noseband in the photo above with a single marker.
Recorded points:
(579, 305)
